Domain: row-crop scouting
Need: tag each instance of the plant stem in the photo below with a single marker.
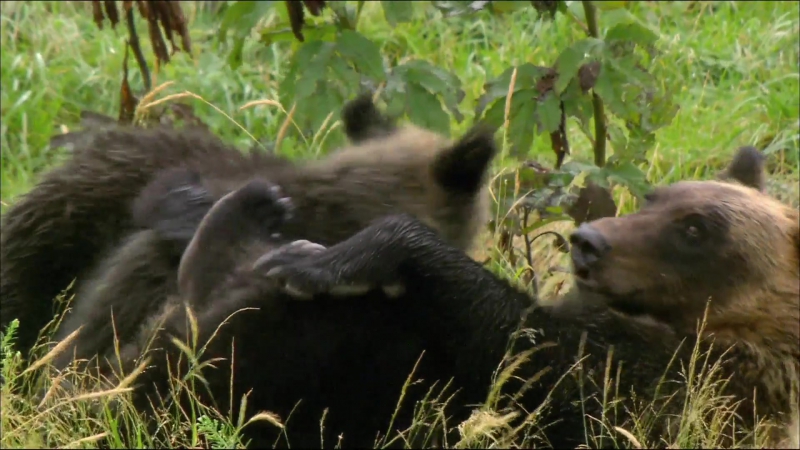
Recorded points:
(133, 42)
(599, 131)
(599, 111)
(590, 12)
(359, 7)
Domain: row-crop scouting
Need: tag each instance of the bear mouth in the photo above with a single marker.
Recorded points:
(629, 303)
(628, 306)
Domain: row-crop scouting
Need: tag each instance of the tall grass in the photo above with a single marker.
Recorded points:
(736, 65)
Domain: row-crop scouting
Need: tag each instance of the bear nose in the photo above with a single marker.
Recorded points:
(588, 246)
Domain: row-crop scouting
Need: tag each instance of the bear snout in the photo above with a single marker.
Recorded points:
(588, 248)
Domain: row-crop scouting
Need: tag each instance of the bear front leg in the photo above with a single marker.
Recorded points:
(373, 258)
(447, 293)
(248, 216)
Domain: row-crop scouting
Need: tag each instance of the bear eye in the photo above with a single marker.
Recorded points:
(694, 229)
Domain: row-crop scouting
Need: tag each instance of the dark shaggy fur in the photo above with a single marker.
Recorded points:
(352, 356)
(388, 170)
(81, 210)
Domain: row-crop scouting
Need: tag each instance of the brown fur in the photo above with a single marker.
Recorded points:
(745, 266)
(740, 169)
(80, 210)
(656, 285)
(405, 169)
(644, 296)
(336, 197)
(644, 281)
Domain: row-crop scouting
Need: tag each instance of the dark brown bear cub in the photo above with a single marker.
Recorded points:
(388, 168)
(90, 218)
(81, 210)
(287, 350)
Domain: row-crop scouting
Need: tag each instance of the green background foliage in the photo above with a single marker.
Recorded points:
(683, 84)
(731, 70)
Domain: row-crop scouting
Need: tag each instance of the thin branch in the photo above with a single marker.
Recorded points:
(529, 254)
(599, 111)
(133, 41)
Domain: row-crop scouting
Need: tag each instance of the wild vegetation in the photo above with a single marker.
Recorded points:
(680, 85)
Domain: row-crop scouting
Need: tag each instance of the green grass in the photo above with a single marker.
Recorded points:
(735, 65)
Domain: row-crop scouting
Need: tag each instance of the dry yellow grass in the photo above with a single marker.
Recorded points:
(721, 59)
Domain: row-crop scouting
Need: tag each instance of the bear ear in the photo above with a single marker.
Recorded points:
(462, 167)
(362, 120)
(747, 168)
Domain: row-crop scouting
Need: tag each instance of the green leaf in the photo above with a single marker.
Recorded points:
(635, 146)
(493, 90)
(577, 167)
(614, 17)
(632, 32)
(297, 65)
(501, 7)
(397, 11)
(423, 74)
(617, 137)
(584, 172)
(549, 111)
(345, 15)
(243, 14)
(632, 94)
(609, 86)
(395, 93)
(269, 37)
(396, 104)
(436, 80)
(314, 71)
(560, 178)
(241, 17)
(522, 119)
(325, 101)
(629, 67)
(629, 175)
(322, 32)
(661, 110)
(235, 56)
(567, 65)
(576, 103)
(344, 79)
(610, 5)
(528, 76)
(495, 115)
(530, 179)
(363, 53)
(638, 146)
(425, 110)
(540, 223)
(317, 56)
(573, 57)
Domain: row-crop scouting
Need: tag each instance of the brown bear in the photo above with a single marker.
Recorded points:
(95, 210)
(440, 181)
(81, 210)
(722, 250)
(720, 245)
